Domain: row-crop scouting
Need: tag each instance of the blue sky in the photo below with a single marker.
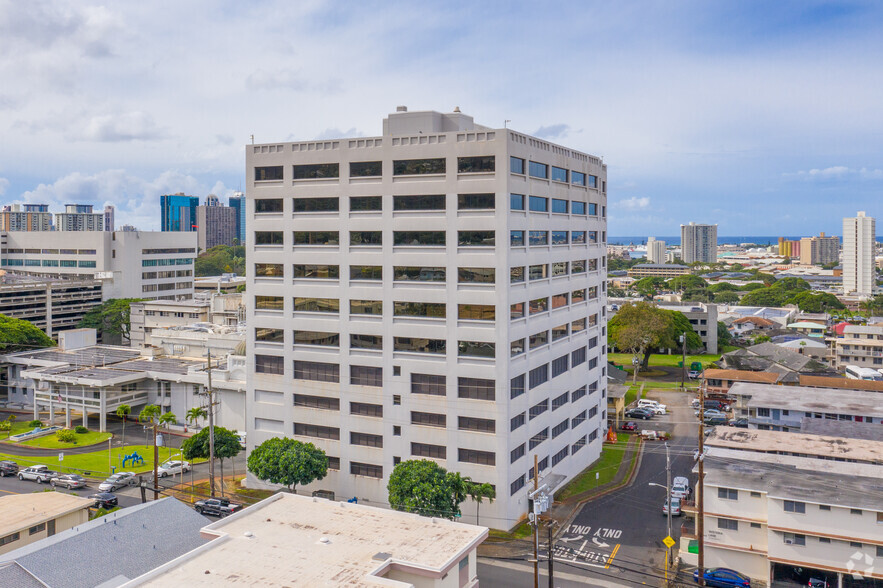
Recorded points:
(764, 117)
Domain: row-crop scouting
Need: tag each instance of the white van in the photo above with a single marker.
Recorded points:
(652, 405)
(680, 487)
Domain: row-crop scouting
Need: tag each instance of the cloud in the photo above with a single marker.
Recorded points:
(334, 133)
(131, 126)
(552, 132)
(4, 185)
(289, 79)
(836, 172)
(634, 203)
(224, 139)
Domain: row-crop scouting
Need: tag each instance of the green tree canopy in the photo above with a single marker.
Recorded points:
(648, 287)
(724, 287)
(726, 297)
(289, 462)
(696, 295)
(641, 327)
(20, 335)
(110, 319)
(723, 334)
(764, 297)
(809, 302)
(422, 486)
(220, 259)
(687, 282)
(226, 444)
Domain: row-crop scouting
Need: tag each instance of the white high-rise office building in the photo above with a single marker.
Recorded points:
(655, 250)
(435, 292)
(699, 243)
(859, 240)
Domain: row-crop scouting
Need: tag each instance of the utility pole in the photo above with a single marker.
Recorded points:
(551, 523)
(668, 490)
(536, 525)
(683, 363)
(155, 460)
(700, 490)
(211, 427)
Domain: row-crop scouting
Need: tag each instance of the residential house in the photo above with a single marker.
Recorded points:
(782, 408)
(26, 518)
(860, 345)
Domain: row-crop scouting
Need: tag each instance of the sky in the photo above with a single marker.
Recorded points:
(763, 117)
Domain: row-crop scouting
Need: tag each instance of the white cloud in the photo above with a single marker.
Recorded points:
(836, 172)
(634, 203)
(552, 132)
(131, 126)
(4, 185)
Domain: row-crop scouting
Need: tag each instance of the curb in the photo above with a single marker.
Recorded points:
(51, 450)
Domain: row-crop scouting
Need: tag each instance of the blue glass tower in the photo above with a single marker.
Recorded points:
(237, 202)
(178, 212)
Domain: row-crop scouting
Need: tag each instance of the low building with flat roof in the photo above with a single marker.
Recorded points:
(659, 270)
(290, 540)
(840, 383)
(782, 408)
(718, 382)
(26, 518)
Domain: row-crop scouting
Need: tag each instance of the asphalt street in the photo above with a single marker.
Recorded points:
(12, 485)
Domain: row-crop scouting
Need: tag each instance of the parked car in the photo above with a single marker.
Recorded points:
(708, 412)
(639, 413)
(695, 403)
(680, 487)
(675, 506)
(241, 435)
(722, 577)
(652, 405)
(629, 426)
(8, 468)
(117, 481)
(37, 473)
(741, 423)
(172, 467)
(715, 419)
(695, 374)
(818, 583)
(69, 481)
(219, 507)
(718, 405)
(105, 500)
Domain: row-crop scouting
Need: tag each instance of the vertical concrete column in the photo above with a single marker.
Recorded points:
(839, 579)
(51, 410)
(102, 417)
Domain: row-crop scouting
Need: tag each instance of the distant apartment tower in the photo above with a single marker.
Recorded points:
(26, 217)
(128, 228)
(216, 224)
(237, 203)
(178, 212)
(79, 217)
(109, 213)
(789, 247)
(435, 292)
(819, 250)
(699, 243)
(655, 250)
(859, 240)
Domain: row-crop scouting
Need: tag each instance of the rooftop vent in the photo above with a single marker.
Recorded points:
(456, 109)
(382, 556)
(401, 109)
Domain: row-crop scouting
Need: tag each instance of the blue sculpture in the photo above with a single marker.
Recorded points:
(136, 459)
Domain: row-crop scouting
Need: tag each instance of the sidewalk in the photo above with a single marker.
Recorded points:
(563, 512)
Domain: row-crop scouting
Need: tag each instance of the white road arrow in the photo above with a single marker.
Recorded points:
(574, 538)
(599, 543)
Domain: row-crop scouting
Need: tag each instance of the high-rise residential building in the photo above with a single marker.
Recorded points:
(819, 250)
(25, 217)
(178, 212)
(237, 203)
(789, 247)
(859, 240)
(216, 224)
(79, 217)
(655, 250)
(140, 264)
(109, 213)
(699, 243)
(388, 275)
(128, 228)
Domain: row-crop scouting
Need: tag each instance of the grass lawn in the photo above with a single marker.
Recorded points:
(95, 462)
(522, 531)
(691, 385)
(52, 442)
(658, 359)
(632, 394)
(606, 468)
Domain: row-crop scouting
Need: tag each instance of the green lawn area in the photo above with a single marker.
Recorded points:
(691, 385)
(606, 468)
(632, 394)
(52, 442)
(664, 360)
(95, 462)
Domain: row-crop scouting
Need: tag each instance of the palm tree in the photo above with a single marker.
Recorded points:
(477, 492)
(196, 413)
(124, 410)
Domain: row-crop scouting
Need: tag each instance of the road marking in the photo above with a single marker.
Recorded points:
(612, 555)
(10, 492)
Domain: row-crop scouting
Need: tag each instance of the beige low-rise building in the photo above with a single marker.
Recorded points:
(25, 518)
(291, 540)
(659, 270)
(861, 345)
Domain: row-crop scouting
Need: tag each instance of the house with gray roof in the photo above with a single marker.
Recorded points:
(107, 551)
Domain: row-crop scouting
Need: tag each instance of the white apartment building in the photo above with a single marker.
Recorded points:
(388, 275)
(655, 251)
(699, 243)
(859, 241)
(777, 502)
(860, 345)
(79, 217)
(213, 309)
(137, 264)
(31, 217)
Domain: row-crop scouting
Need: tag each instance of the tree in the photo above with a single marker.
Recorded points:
(723, 334)
(110, 319)
(764, 297)
(196, 413)
(289, 462)
(872, 306)
(218, 259)
(642, 327)
(687, 282)
(696, 295)
(479, 491)
(648, 287)
(423, 487)
(724, 287)
(20, 335)
(123, 411)
(154, 417)
(821, 302)
(197, 447)
(726, 297)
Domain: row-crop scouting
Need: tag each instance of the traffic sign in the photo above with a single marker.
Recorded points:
(669, 542)
(60, 456)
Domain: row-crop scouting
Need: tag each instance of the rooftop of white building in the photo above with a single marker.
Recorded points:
(799, 444)
(804, 399)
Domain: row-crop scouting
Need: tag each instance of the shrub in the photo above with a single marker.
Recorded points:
(66, 436)
(81, 429)
(35, 423)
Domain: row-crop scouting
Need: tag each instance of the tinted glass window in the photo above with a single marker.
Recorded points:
(366, 307)
(366, 272)
(485, 163)
(366, 237)
(268, 238)
(316, 238)
(366, 168)
(476, 349)
(366, 203)
(268, 173)
(593, 181)
(516, 238)
(418, 238)
(268, 302)
(268, 270)
(316, 204)
(578, 237)
(316, 271)
(559, 174)
(419, 274)
(266, 205)
(516, 274)
(476, 312)
(516, 201)
(477, 275)
(538, 272)
(317, 338)
(427, 202)
(559, 237)
(578, 178)
(476, 201)
(476, 238)
(539, 238)
(593, 209)
(420, 345)
(539, 170)
(427, 309)
(578, 207)
(403, 167)
(539, 204)
(559, 205)
(316, 171)
(516, 165)
(317, 305)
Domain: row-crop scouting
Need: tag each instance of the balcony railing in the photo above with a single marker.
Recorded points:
(688, 530)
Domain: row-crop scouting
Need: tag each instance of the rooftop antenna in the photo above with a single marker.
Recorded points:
(252, 139)
(506, 123)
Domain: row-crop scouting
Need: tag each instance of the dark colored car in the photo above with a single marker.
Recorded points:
(723, 578)
(741, 423)
(629, 426)
(219, 507)
(8, 468)
(717, 404)
(105, 500)
(818, 583)
(712, 420)
(639, 413)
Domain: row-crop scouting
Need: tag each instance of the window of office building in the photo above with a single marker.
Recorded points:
(421, 202)
(321, 338)
(559, 174)
(317, 431)
(366, 272)
(516, 274)
(374, 307)
(476, 312)
(518, 452)
(559, 268)
(366, 469)
(465, 423)
(476, 238)
(363, 375)
(358, 238)
(272, 172)
(267, 205)
(578, 266)
(479, 164)
(539, 305)
(559, 365)
(476, 456)
(517, 310)
(578, 237)
(538, 375)
(317, 402)
(538, 204)
(269, 364)
(538, 409)
(476, 201)
(516, 165)
(475, 275)
(268, 270)
(418, 274)
(577, 178)
(559, 332)
(268, 238)
(429, 419)
(476, 349)
(538, 438)
(578, 356)
(516, 238)
(559, 300)
(265, 335)
(420, 345)
(516, 201)
(539, 339)
(316, 371)
(428, 384)
(366, 439)
(366, 410)
(427, 450)
(358, 341)
(593, 209)
(268, 302)
(517, 347)
(366, 169)
(316, 238)
(362, 203)
(538, 238)
(426, 309)
(313, 204)
(316, 271)
(578, 207)
(538, 170)
(408, 167)
(476, 389)
(539, 272)
(516, 386)
(418, 238)
(315, 171)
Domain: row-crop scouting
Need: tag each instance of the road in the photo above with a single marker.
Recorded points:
(621, 534)
(12, 485)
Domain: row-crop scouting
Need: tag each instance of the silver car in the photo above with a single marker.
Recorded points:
(69, 481)
(172, 467)
(117, 481)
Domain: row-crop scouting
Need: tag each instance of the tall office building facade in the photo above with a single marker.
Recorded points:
(699, 243)
(819, 250)
(79, 217)
(437, 292)
(109, 221)
(25, 217)
(859, 242)
(655, 250)
(216, 225)
(237, 203)
(178, 212)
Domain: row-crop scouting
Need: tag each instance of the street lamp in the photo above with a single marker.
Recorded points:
(668, 498)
